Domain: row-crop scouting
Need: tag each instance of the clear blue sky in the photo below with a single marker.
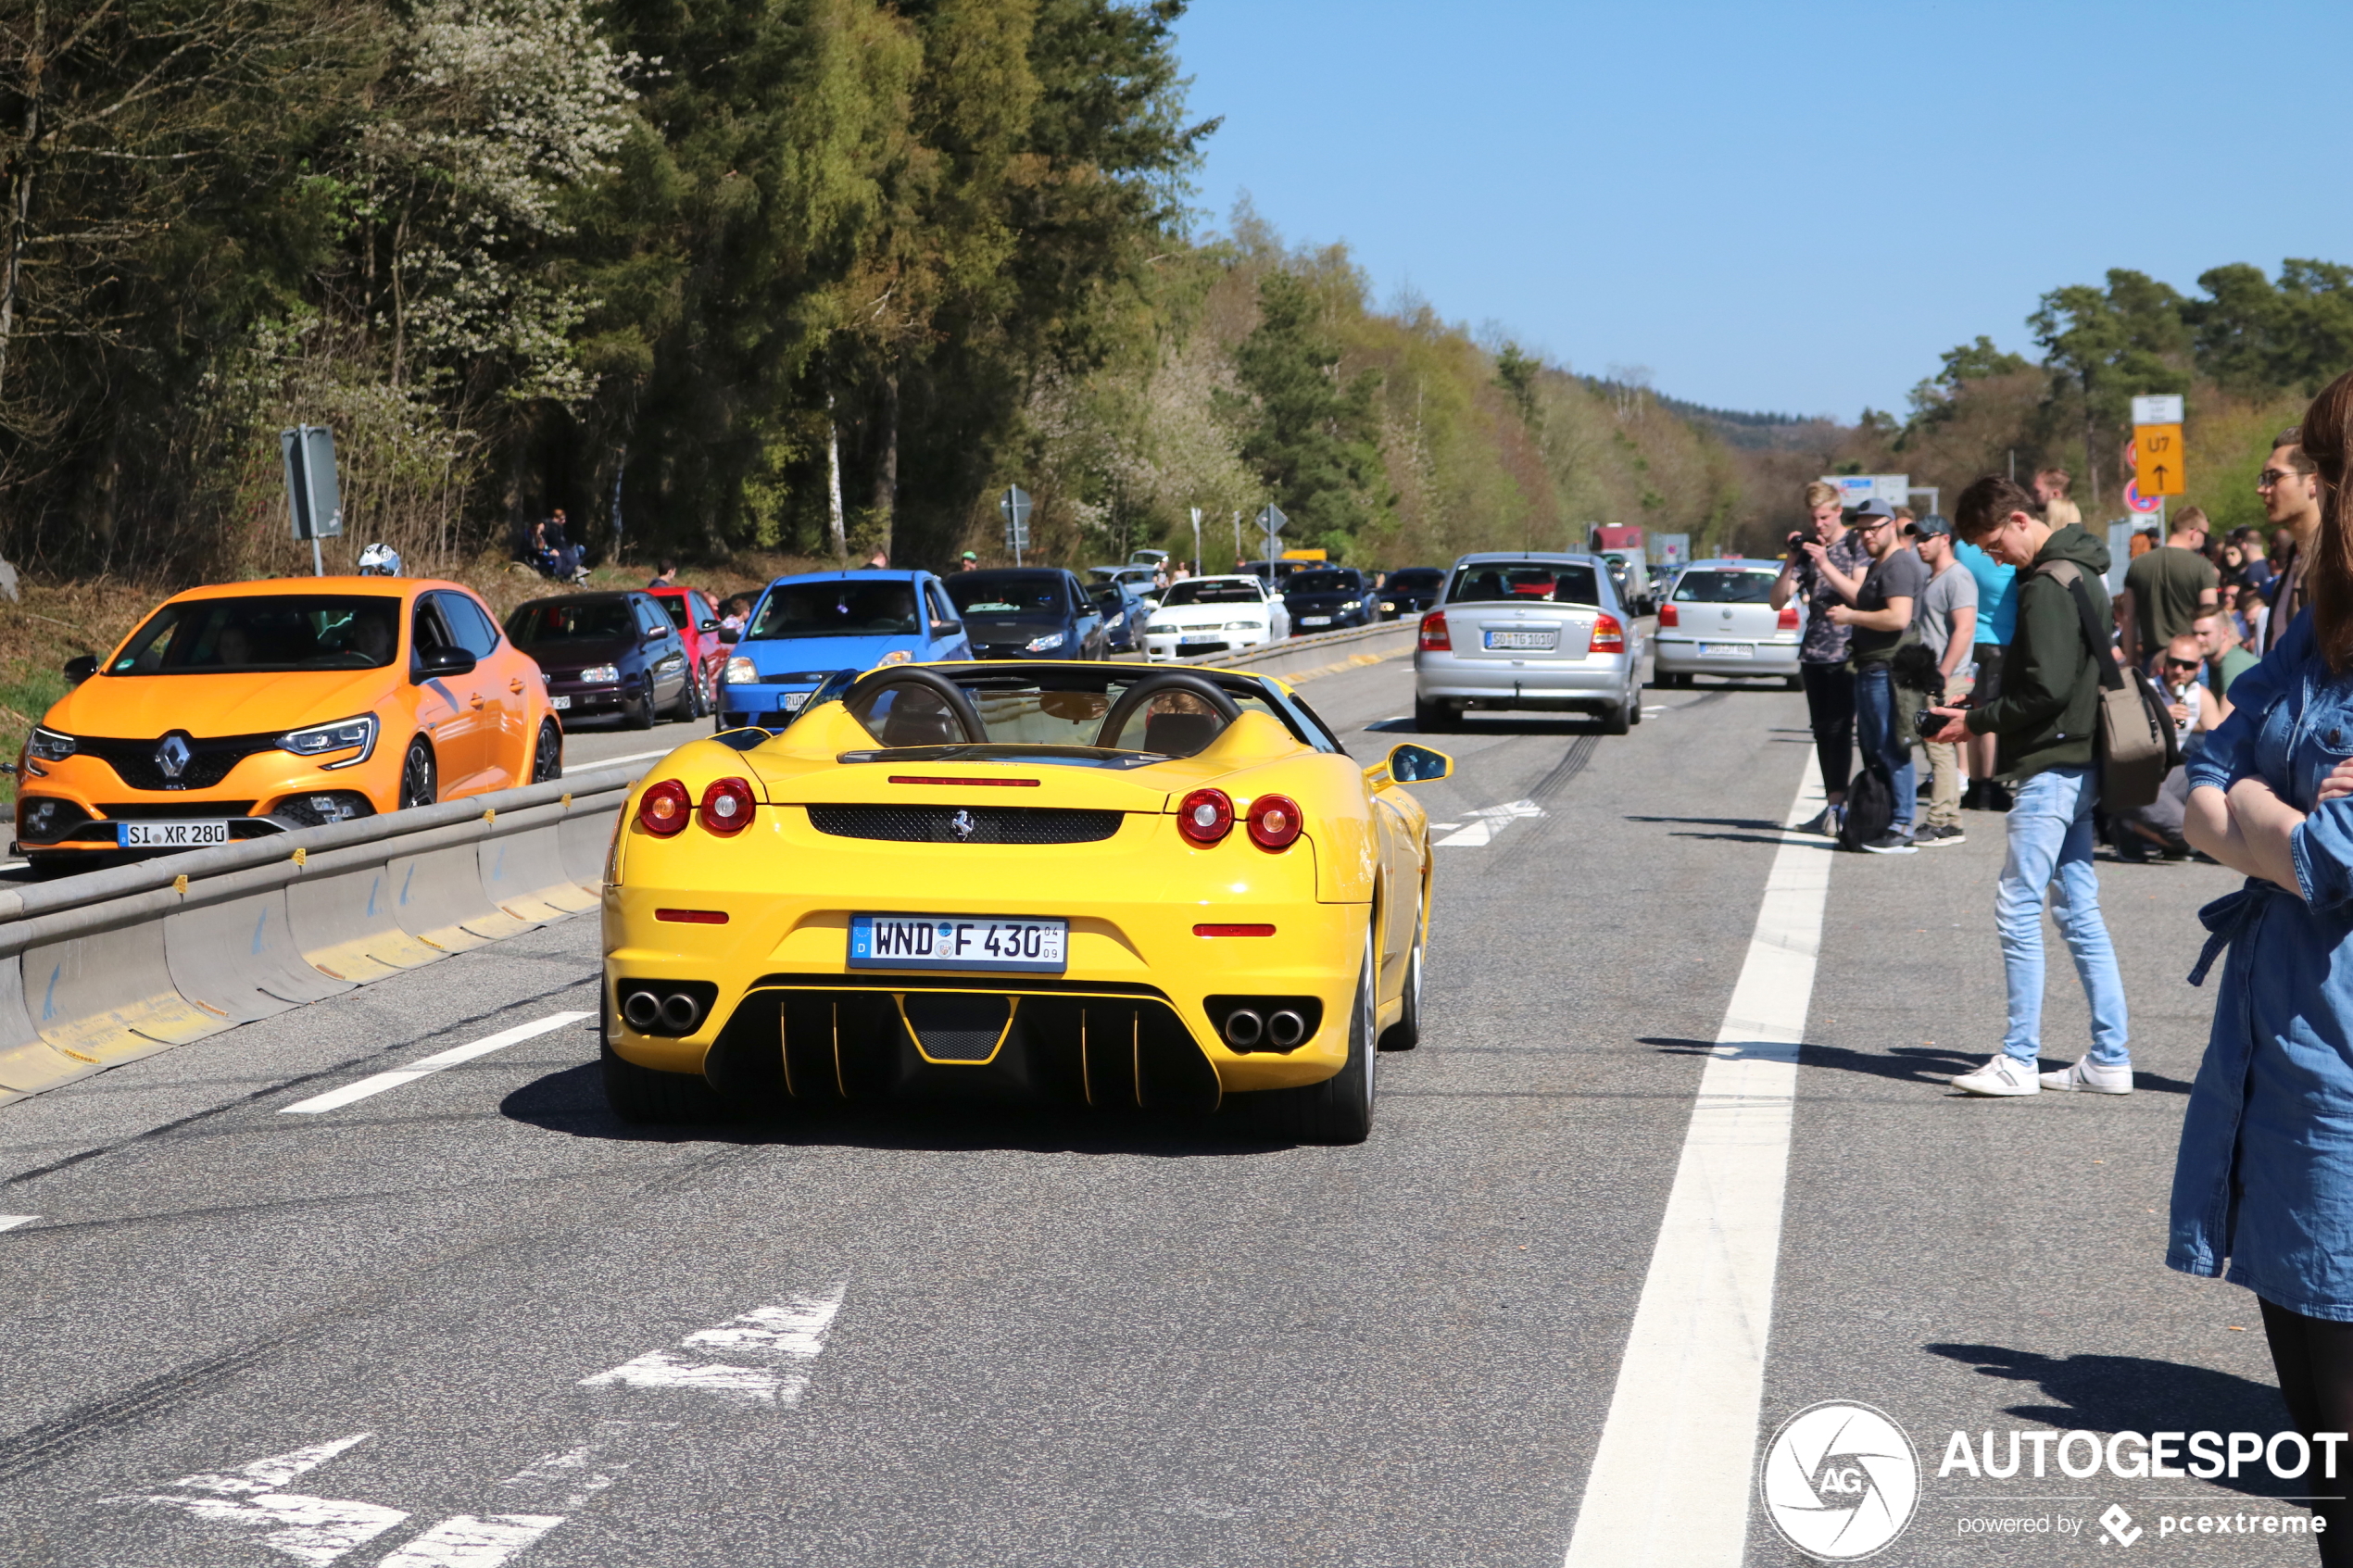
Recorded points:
(1788, 206)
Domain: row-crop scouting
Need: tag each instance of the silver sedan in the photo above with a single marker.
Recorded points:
(1530, 631)
(1719, 620)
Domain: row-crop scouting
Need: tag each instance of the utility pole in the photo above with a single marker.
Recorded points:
(1196, 538)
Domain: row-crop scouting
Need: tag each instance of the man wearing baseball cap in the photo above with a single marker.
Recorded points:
(1948, 621)
(1879, 612)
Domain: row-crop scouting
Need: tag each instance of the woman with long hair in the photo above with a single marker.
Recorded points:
(2264, 1179)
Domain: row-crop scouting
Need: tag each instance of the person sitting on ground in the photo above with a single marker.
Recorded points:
(2158, 823)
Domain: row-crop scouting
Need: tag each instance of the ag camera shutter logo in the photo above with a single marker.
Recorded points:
(1839, 1481)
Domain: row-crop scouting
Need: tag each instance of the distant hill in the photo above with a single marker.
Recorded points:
(1736, 428)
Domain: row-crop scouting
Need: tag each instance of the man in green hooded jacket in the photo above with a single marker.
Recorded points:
(2045, 725)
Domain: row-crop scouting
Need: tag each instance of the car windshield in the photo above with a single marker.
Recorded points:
(1487, 580)
(1209, 591)
(1321, 582)
(571, 620)
(1063, 710)
(1724, 588)
(1031, 593)
(849, 608)
(263, 632)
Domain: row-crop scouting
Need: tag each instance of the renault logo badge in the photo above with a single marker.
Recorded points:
(961, 823)
(172, 754)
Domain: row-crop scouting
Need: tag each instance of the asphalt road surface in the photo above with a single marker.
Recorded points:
(250, 1314)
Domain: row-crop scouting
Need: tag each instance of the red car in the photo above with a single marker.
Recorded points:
(698, 621)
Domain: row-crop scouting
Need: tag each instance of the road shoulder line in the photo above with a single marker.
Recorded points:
(1670, 1484)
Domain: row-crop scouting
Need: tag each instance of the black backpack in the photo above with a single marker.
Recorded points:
(1871, 807)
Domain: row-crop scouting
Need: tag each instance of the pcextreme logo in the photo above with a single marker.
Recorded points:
(1839, 1481)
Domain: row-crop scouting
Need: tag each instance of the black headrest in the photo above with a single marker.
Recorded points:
(1180, 734)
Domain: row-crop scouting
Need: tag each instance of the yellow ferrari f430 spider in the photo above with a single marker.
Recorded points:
(1022, 882)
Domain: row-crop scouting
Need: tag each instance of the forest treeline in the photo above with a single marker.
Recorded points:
(806, 276)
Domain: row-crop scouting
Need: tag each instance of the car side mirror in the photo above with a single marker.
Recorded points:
(1418, 764)
(445, 661)
(708, 627)
(729, 635)
(81, 669)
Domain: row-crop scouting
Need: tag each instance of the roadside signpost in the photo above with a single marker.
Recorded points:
(311, 497)
(1270, 521)
(1016, 506)
(1854, 489)
(2157, 467)
(1197, 565)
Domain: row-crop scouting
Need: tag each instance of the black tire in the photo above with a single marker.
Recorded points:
(1634, 706)
(420, 775)
(547, 754)
(644, 1095)
(1433, 718)
(1614, 722)
(639, 714)
(690, 702)
(1406, 1033)
(1340, 1109)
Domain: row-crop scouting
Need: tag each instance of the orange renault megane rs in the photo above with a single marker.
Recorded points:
(253, 708)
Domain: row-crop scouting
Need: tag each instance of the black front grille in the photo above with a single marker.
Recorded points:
(979, 824)
(208, 759)
(172, 811)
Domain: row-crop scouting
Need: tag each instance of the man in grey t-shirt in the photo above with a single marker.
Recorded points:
(1947, 623)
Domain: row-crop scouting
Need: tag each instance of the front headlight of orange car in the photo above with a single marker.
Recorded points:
(49, 746)
(341, 735)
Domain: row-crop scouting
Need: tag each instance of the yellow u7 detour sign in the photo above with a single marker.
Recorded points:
(2157, 467)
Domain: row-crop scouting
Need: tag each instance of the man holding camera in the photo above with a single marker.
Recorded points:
(2045, 725)
(1821, 658)
(1878, 612)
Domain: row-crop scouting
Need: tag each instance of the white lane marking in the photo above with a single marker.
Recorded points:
(1669, 1485)
(467, 1540)
(11, 1222)
(752, 1358)
(310, 1530)
(574, 1472)
(1492, 819)
(426, 1066)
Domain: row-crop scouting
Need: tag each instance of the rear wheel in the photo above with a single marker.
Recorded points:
(640, 1094)
(1340, 1109)
(548, 756)
(1432, 718)
(419, 781)
(1616, 721)
(1634, 705)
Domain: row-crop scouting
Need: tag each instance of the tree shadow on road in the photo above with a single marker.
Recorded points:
(573, 1102)
(1904, 1064)
(2139, 1394)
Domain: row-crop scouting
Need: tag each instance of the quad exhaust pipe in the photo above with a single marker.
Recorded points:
(677, 1012)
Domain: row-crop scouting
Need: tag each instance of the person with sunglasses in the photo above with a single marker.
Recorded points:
(2195, 711)
(1879, 612)
(2290, 489)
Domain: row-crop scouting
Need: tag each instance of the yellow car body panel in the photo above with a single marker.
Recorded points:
(1132, 900)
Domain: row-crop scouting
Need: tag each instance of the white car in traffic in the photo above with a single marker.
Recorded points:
(1214, 615)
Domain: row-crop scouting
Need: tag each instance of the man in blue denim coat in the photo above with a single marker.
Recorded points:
(2045, 724)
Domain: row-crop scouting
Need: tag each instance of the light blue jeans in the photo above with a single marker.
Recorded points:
(1875, 735)
(2050, 846)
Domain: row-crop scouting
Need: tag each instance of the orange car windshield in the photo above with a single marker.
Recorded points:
(263, 633)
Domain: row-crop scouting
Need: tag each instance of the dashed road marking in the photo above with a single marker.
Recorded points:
(1491, 820)
(424, 1067)
(310, 1530)
(11, 1222)
(754, 1358)
(1670, 1484)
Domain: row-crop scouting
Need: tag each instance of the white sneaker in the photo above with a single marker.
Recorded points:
(2091, 1078)
(2005, 1074)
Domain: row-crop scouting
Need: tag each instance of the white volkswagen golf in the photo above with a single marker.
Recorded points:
(1214, 615)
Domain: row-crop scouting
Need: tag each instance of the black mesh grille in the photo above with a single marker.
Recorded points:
(980, 824)
(208, 761)
(955, 1028)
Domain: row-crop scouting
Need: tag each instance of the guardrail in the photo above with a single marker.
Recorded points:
(111, 966)
(108, 967)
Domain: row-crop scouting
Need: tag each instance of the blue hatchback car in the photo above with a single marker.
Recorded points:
(808, 627)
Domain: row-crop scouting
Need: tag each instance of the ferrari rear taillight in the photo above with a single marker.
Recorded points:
(1273, 822)
(1787, 621)
(726, 806)
(662, 811)
(1206, 817)
(1666, 616)
(1434, 638)
(1609, 637)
